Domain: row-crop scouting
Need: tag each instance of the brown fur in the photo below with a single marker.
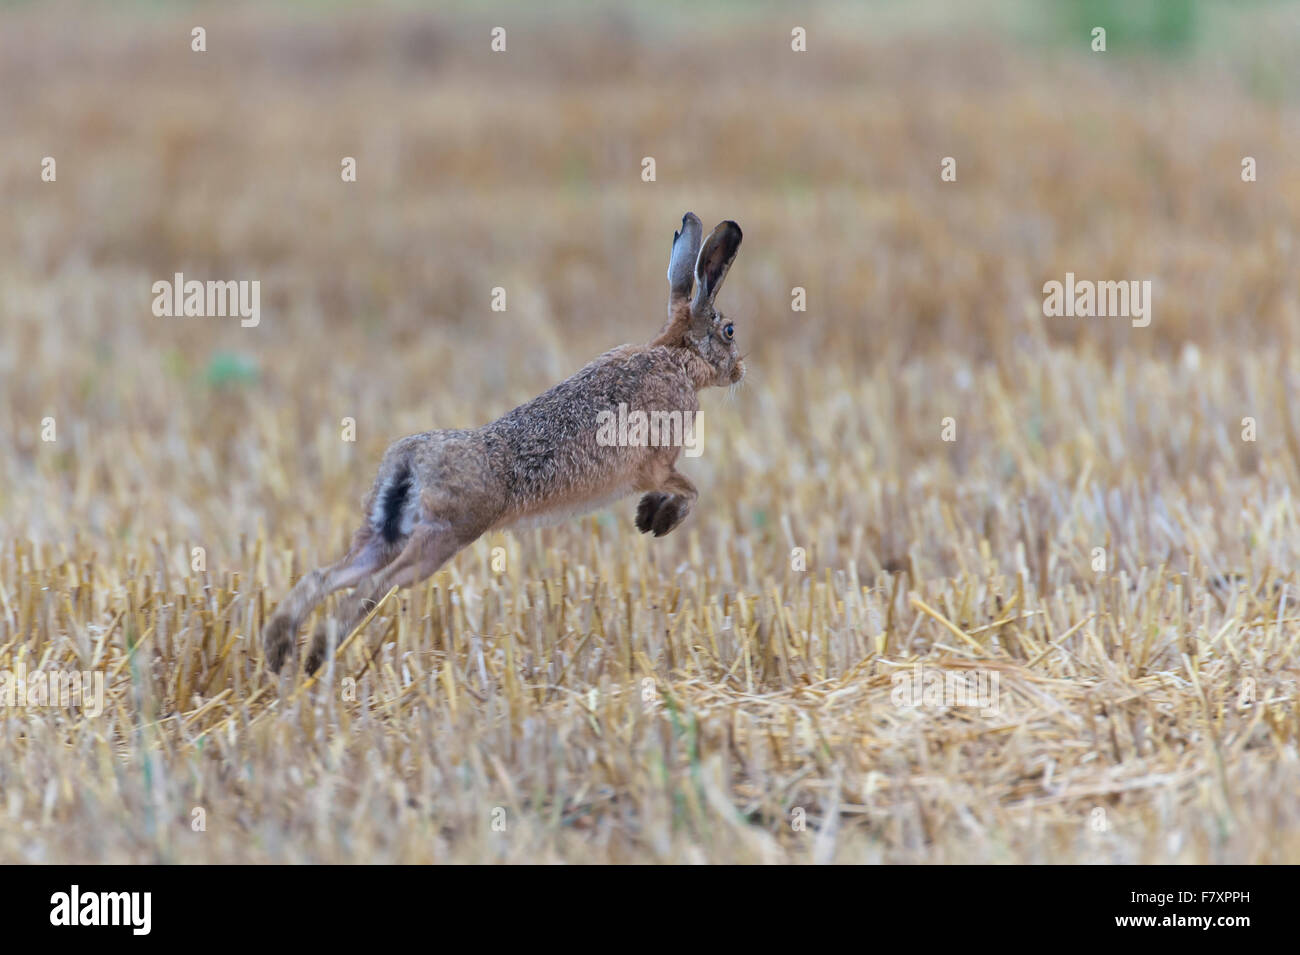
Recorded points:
(437, 492)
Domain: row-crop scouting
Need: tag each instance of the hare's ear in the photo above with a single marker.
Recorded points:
(719, 250)
(686, 248)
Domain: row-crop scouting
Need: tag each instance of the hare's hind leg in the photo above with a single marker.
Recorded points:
(364, 558)
(663, 509)
(430, 545)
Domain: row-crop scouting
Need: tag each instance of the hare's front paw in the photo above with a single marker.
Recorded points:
(646, 510)
(660, 513)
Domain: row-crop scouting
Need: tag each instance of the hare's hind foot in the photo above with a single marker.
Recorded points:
(277, 638)
(430, 545)
(320, 644)
(279, 635)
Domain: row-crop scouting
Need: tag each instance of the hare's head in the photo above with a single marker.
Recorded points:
(694, 322)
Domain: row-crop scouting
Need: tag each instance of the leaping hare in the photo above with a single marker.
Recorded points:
(437, 492)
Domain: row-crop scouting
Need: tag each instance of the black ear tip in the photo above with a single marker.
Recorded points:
(686, 221)
(734, 227)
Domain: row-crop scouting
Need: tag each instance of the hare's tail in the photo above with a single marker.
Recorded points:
(392, 516)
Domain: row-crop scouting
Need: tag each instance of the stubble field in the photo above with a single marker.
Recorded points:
(1099, 541)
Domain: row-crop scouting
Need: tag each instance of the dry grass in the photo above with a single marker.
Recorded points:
(625, 699)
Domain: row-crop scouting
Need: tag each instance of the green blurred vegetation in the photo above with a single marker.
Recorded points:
(1166, 26)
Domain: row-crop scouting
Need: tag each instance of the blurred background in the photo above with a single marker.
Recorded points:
(522, 170)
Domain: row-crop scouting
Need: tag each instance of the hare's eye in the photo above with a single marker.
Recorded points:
(728, 331)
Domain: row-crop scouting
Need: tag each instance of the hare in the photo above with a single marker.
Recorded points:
(439, 491)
